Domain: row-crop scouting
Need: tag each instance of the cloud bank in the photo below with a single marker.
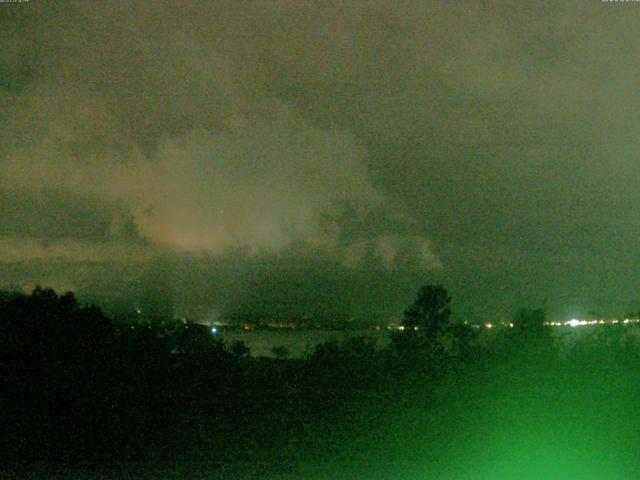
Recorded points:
(489, 145)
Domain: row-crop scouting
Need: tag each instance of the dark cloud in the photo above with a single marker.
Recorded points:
(488, 145)
(54, 215)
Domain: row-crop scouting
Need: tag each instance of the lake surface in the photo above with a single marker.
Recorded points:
(300, 342)
(297, 342)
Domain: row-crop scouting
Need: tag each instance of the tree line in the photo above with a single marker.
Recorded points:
(78, 386)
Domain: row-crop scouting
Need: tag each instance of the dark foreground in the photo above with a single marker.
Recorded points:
(84, 397)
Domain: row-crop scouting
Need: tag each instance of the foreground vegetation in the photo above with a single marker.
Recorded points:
(83, 396)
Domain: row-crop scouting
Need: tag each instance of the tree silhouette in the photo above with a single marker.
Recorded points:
(430, 312)
(529, 320)
(240, 349)
(281, 352)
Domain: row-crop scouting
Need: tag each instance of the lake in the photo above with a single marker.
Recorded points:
(297, 342)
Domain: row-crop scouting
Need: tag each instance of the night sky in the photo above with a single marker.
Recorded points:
(323, 159)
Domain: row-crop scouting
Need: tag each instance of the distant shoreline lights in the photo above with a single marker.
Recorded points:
(574, 322)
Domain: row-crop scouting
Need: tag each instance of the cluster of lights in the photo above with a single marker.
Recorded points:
(402, 328)
(501, 324)
(574, 322)
(490, 325)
